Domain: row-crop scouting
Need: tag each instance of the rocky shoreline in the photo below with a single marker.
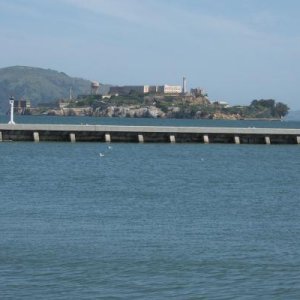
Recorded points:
(133, 112)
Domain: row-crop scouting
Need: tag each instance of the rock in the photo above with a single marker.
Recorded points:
(221, 116)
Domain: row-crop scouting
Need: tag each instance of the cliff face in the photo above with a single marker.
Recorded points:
(130, 112)
(110, 111)
(222, 116)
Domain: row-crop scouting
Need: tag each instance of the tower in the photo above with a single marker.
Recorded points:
(11, 102)
(184, 88)
(71, 93)
(95, 87)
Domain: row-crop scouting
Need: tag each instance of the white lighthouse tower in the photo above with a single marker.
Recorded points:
(11, 102)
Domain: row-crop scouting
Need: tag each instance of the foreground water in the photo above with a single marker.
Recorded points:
(152, 221)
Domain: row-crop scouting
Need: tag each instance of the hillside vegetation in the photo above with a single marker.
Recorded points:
(37, 85)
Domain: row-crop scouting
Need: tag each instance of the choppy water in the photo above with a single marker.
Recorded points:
(150, 221)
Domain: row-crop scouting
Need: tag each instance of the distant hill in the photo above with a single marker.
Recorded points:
(38, 85)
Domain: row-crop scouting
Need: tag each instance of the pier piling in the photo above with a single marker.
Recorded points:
(107, 138)
(267, 140)
(72, 137)
(206, 139)
(237, 140)
(36, 137)
(172, 139)
(141, 138)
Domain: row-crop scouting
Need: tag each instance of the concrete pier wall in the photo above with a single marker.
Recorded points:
(147, 134)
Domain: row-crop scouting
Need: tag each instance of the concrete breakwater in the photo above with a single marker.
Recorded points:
(144, 134)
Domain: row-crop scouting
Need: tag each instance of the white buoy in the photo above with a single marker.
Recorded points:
(11, 101)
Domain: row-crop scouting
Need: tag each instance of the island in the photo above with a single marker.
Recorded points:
(134, 105)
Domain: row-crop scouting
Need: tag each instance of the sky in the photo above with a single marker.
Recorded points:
(236, 50)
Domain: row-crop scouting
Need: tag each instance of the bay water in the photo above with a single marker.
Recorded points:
(149, 221)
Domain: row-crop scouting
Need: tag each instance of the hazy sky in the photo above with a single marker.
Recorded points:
(237, 50)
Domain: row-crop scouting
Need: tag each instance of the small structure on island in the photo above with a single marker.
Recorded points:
(95, 85)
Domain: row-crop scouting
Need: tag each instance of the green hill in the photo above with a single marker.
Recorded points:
(38, 85)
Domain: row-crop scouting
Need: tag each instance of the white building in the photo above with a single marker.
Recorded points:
(170, 89)
(144, 89)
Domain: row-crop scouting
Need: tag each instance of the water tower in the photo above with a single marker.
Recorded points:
(95, 85)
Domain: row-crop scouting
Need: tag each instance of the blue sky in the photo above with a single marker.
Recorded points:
(237, 50)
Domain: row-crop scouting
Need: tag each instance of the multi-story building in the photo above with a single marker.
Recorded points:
(127, 89)
(170, 89)
(144, 89)
(20, 106)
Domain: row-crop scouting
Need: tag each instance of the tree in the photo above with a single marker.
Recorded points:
(270, 108)
(269, 103)
(281, 109)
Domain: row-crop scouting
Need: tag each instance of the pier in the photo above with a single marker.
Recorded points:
(146, 134)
